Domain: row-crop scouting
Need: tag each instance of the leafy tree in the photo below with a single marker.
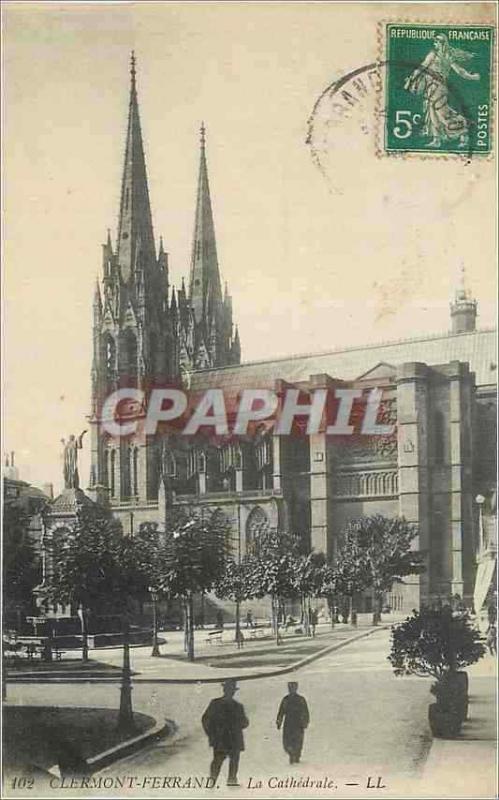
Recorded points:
(351, 572)
(190, 558)
(275, 573)
(95, 568)
(377, 553)
(21, 564)
(308, 581)
(434, 642)
(239, 583)
(329, 586)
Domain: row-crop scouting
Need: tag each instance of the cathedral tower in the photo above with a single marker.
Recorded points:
(143, 334)
(214, 342)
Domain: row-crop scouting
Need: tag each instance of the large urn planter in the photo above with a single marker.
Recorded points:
(451, 709)
(444, 724)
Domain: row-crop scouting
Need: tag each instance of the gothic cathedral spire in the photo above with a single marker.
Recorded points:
(135, 232)
(205, 291)
(211, 312)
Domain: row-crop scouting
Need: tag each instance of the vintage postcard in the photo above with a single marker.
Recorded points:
(249, 429)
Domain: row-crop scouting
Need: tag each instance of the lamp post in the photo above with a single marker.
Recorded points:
(125, 716)
(155, 644)
(480, 500)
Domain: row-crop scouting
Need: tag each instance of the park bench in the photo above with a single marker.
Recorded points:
(256, 632)
(215, 636)
(38, 649)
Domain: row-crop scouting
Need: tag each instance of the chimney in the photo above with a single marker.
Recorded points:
(48, 489)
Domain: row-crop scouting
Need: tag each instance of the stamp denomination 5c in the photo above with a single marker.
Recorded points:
(438, 88)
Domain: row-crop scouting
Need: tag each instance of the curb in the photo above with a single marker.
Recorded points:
(126, 748)
(217, 679)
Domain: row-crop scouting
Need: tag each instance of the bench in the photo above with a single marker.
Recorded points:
(256, 632)
(34, 649)
(215, 636)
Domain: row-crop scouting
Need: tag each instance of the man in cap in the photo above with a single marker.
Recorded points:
(223, 722)
(294, 711)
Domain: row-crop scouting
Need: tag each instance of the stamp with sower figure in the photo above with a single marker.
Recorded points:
(438, 88)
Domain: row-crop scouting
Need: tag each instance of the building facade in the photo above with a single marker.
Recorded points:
(438, 393)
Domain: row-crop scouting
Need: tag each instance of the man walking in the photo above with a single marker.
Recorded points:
(294, 711)
(223, 722)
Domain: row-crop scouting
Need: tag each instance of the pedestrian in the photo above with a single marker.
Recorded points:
(314, 619)
(223, 722)
(220, 619)
(294, 711)
(249, 619)
(492, 638)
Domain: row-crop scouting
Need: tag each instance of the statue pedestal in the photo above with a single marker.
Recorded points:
(99, 494)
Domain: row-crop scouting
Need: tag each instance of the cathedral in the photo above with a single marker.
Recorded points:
(437, 469)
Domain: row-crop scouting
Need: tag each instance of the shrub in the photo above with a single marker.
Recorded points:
(434, 642)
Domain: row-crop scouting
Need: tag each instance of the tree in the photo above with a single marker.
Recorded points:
(94, 568)
(21, 565)
(329, 583)
(275, 568)
(377, 553)
(350, 573)
(308, 578)
(190, 558)
(434, 642)
(238, 584)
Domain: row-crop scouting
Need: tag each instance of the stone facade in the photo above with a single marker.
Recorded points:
(438, 391)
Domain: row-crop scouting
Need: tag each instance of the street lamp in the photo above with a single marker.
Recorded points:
(480, 500)
(155, 644)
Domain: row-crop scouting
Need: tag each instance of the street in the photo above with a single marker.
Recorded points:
(368, 729)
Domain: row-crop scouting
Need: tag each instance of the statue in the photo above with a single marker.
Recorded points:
(71, 447)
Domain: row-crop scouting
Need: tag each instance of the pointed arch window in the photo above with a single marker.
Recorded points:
(126, 472)
(134, 469)
(257, 523)
(109, 361)
(153, 354)
(112, 472)
(130, 362)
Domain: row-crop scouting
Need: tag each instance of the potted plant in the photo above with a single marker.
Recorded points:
(436, 643)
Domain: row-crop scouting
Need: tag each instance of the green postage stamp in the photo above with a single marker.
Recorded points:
(438, 90)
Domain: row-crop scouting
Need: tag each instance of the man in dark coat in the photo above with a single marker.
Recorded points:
(294, 711)
(223, 722)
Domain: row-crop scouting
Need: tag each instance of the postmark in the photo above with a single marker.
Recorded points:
(437, 89)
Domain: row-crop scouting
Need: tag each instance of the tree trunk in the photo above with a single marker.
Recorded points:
(186, 627)
(190, 627)
(330, 603)
(353, 612)
(377, 603)
(238, 625)
(306, 615)
(275, 619)
(84, 633)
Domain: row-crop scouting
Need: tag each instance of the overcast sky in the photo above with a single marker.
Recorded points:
(366, 249)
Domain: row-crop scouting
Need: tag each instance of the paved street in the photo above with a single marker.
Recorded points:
(365, 722)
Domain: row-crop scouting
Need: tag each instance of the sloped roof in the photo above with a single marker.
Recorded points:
(69, 501)
(477, 348)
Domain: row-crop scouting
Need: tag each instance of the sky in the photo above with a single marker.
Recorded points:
(363, 249)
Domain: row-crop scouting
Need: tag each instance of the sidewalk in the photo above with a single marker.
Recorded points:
(214, 662)
(466, 767)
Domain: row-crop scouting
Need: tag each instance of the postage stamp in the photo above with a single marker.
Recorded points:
(438, 88)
